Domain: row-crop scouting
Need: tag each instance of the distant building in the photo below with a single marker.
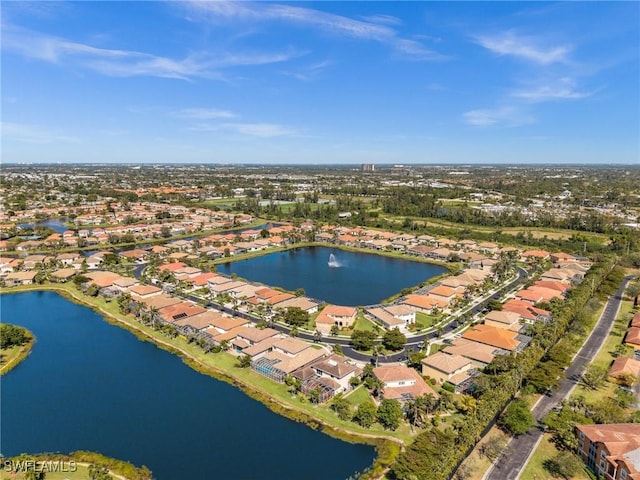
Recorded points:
(368, 167)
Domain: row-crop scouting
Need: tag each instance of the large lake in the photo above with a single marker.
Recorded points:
(347, 278)
(88, 385)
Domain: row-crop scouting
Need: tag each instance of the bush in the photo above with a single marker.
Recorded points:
(517, 419)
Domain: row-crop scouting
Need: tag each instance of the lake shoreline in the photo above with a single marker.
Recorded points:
(387, 448)
(23, 353)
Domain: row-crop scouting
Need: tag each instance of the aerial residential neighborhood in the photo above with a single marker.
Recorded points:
(320, 240)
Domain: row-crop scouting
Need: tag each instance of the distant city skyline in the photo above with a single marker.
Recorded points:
(321, 82)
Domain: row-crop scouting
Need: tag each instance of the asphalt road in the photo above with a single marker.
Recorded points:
(414, 342)
(510, 466)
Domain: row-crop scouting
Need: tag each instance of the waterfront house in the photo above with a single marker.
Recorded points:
(423, 303)
(19, 278)
(341, 316)
(402, 383)
(180, 310)
(303, 303)
(392, 316)
(144, 291)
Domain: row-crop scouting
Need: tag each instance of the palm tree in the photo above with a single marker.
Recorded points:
(378, 350)
(317, 336)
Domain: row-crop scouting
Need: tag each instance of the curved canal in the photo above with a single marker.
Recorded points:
(88, 385)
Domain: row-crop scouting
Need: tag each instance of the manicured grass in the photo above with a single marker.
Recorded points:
(363, 323)
(426, 321)
(10, 357)
(359, 395)
(545, 451)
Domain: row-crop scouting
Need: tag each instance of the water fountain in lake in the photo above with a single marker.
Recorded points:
(333, 261)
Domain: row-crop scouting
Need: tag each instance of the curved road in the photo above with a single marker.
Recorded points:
(413, 342)
(509, 467)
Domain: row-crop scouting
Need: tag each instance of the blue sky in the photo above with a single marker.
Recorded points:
(321, 82)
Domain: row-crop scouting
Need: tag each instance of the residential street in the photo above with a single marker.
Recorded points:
(509, 467)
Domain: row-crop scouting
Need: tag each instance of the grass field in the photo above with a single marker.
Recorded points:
(545, 451)
(10, 357)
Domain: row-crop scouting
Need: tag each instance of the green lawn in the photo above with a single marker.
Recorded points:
(535, 469)
(426, 321)
(363, 323)
(359, 395)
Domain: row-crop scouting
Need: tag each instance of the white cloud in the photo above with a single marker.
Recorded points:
(203, 113)
(33, 134)
(564, 89)
(262, 130)
(529, 48)
(383, 19)
(265, 11)
(505, 116)
(126, 63)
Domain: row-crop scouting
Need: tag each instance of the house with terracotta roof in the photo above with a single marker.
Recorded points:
(277, 365)
(200, 321)
(623, 366)
(535, 295)
(303, 303)
(635, 320)
(402, 383)
(442, 293)
(528, 312)
(63, 274)
(423, 303)
(443, 366)
(336, 367)
(495, 337)
(504, 319)
(633, 337)
(180, 310)
(612, 451)
(479, 353)
(124, 283)
(144, 291)
(172, 267)
(531, 255)
(392, 316)
(157, 302)
(19, 278)
(135, 255)
(341, 316)
(102, 278)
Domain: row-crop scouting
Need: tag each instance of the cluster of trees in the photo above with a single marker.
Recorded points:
(13, 336)
(389, 413)
(436, 454)
(392, 340)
